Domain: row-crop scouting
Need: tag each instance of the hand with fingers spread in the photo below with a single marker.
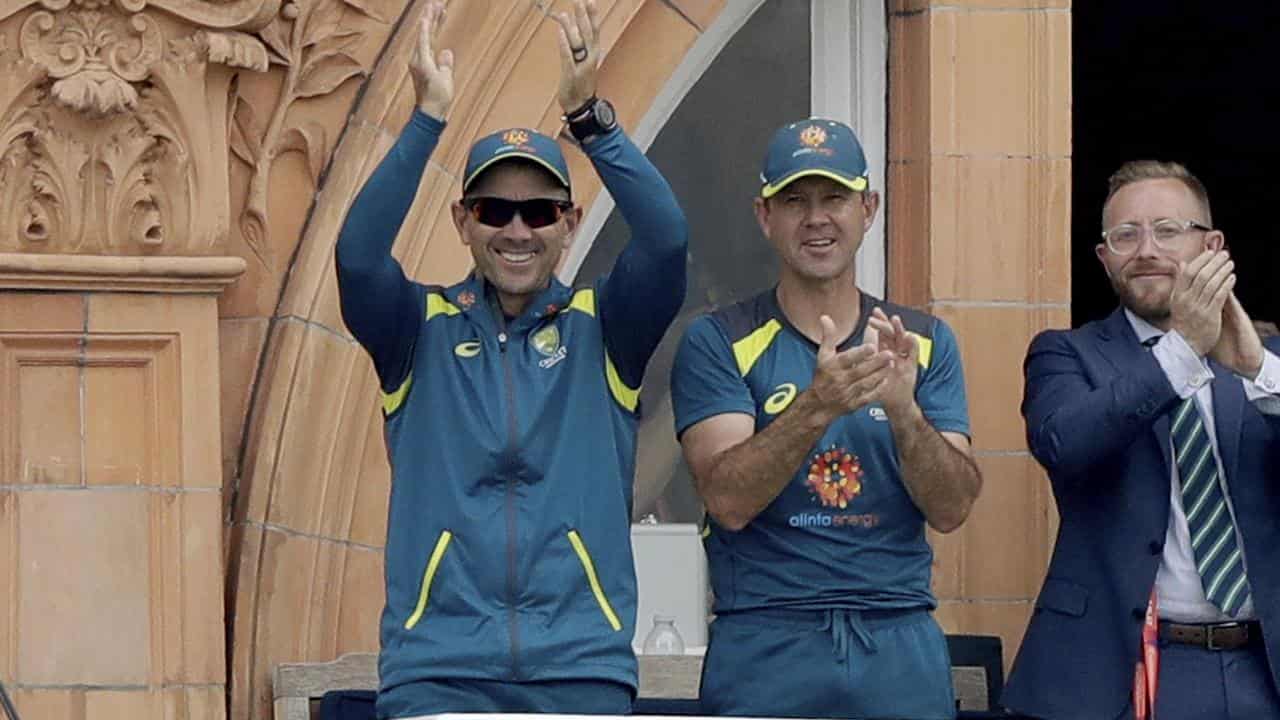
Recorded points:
(579, 35)
(432, 73)
(898, 391)
(1239, 348)
(1199, 294)
(846, 380)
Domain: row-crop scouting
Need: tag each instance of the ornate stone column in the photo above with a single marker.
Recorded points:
(115, 212)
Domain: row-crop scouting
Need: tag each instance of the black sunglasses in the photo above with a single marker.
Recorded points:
(497, 212)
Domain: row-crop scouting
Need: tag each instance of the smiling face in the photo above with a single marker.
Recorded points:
(1144, 279)
(516, 259)
(816, 225)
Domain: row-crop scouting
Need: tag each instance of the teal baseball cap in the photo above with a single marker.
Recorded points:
(817, 146)
(515, 144)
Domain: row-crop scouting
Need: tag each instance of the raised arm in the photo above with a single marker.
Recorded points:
(380, 305)
(646, 287)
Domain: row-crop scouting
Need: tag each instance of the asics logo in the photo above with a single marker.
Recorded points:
(468, 349)
(780, 399)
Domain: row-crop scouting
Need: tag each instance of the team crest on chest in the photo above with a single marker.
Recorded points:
(547, 342)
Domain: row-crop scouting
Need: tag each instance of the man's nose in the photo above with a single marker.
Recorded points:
(814, 214)
(517, 229)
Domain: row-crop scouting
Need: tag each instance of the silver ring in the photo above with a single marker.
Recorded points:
(904, 353)
(579, 54)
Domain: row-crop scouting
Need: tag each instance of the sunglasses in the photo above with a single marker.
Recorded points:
(497, 212)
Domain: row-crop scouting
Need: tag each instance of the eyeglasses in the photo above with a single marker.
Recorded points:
(497, 212)
(1124, 239)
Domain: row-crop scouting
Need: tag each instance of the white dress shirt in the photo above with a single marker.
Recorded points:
(1179, 591)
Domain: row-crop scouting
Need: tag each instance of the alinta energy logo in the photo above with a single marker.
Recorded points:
(835, 477)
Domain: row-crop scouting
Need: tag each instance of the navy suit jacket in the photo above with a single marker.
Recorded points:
(1097, 408)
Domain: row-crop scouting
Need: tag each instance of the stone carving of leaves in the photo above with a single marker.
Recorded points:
(236, 49)
(365, 8)
(246, 132)
(98, 92)
(314, 50)
(277, 49)
(324, 76)
(308, 139)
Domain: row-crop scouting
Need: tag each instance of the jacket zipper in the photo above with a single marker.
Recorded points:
(513, 628)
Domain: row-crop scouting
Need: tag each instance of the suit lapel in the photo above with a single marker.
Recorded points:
(1120, 346)
(1228, 417)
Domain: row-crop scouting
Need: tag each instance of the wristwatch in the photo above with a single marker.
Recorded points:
(595, 117)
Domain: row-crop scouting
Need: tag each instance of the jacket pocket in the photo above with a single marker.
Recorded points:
(589, 568)
(1063, 596)
(424, 594)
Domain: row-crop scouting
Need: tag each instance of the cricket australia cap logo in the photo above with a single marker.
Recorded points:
(547, 342)
(835, 477)
(515, 137)
(813, 136)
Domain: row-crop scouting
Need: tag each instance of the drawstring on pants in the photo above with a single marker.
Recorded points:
(842, 623)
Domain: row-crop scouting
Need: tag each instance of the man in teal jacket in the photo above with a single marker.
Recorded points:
(511, 407)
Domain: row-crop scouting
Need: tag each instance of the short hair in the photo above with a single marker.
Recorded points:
(1138, 170)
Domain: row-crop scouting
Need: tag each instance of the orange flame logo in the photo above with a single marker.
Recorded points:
(835, 477)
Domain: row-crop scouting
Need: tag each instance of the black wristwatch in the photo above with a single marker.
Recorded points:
(596, 117)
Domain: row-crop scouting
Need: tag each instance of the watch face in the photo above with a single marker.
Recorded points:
(605, 115)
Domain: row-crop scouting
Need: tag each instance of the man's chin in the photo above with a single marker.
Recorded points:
(1150, 309)
(509, 285)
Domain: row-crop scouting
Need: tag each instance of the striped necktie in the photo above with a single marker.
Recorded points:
(1213, 534)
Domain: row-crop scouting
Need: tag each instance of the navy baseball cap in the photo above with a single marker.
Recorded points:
(816, 146)
(511, 144)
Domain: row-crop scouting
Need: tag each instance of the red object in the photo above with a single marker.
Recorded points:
(1146, 674)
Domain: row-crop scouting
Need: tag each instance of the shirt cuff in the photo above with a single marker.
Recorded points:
(428, 122)
(1264, 390)
(1187, 372)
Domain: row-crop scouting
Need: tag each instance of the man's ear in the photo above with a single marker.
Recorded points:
(870, 204)
(1101, 251)
(761, 207)
(1215, 240)
(459, 214)
(572, 219)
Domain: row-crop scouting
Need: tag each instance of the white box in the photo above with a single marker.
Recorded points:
(671, 571)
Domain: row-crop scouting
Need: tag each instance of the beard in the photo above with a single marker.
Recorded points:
(1149, 304)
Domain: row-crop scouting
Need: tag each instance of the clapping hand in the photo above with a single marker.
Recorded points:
(432, 74)
(579, 35)
(898, 392)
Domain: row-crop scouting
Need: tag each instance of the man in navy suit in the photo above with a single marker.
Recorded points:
(1160, 431)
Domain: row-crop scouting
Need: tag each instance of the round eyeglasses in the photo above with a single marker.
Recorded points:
(1168, 234)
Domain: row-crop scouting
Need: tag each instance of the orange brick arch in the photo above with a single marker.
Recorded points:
(308, 521)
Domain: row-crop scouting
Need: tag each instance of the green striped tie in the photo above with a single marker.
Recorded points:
(1213, 535)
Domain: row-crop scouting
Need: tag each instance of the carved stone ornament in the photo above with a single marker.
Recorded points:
(113, 133)
(308, 40)
(117, 121)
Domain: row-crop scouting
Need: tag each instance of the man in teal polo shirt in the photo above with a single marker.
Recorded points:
(824, 428)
